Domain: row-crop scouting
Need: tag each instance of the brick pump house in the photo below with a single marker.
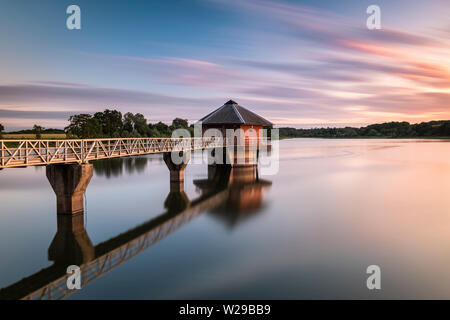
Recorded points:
(233, 116)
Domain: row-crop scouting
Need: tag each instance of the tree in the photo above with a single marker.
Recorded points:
(110, 122)
(140, 124)
(37, 130)
(179, 123)
(84, 126)
(153, 132)
(128, 122)
(2, 128)
(135, 125)
(444, 129)
(162, 128)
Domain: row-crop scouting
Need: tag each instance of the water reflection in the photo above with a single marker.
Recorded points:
(115, 167)
(245, 192)
(71, 244)
(230, 194)
(176, 200)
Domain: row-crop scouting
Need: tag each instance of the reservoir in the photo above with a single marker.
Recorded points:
(309, 231)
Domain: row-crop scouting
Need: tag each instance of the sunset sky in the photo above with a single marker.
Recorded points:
(305, 63)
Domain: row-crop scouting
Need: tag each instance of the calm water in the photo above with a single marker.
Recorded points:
(310, 231)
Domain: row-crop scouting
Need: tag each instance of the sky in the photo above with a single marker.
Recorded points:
(311, 63)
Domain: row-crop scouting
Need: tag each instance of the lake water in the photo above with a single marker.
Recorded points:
(310, 231)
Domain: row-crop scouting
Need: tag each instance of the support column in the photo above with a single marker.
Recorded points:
(177, 199)
(69, 182)
(71, 244)
(237, 156)
(176, 167)
(218, 156)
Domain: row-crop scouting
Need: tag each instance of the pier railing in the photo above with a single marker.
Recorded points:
(20, 153)
(17, 153)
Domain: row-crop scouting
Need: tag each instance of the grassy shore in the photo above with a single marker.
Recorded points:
(31, 136)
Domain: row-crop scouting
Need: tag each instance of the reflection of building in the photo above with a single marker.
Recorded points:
(245, 191)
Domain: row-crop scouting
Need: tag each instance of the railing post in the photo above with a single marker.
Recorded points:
(26, 152)
(82, 151)
(3, 152)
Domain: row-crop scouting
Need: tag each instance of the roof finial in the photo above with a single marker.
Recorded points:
(230, 102)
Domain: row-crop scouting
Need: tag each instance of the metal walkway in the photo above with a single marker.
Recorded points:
(20, 153)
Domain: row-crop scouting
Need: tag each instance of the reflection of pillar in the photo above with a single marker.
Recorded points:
(176, 162)
(243, 175)
(69, 181)
(71, 244)
(176, 200)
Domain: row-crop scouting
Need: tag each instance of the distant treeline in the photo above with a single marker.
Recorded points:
(33, 131)
(111, 124)
(382, 130)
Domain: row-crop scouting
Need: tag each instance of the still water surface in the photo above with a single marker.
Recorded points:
(310, 231)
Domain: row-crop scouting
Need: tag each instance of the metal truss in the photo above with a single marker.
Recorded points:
(18, 153)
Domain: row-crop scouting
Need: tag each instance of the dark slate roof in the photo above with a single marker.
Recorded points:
(232, 113)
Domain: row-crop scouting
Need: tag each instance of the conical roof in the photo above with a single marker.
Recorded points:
(232, 113)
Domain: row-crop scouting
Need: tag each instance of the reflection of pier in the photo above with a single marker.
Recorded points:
(245, 191)
(71, 245)
(224, 187)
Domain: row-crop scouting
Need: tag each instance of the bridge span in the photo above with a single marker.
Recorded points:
(69, 171)
(20, 153)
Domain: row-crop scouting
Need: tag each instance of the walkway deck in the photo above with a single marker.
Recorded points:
(20, 153)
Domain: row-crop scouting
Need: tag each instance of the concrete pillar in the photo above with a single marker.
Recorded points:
(218, 156)
(71, 244)
(176, 169)
(69, 182)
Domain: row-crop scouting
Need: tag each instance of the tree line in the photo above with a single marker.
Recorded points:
(111, 124)
(383, 130)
